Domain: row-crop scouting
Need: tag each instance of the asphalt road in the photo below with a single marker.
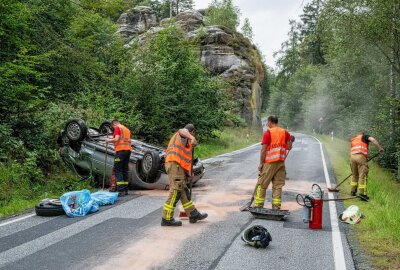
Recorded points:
(128, 234)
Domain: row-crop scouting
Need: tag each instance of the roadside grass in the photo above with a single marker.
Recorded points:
(228, 140)
(379, 232)
(25, 196)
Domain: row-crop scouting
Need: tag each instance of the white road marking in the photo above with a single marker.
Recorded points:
(338, 253)
(231, 153)
(17, 219)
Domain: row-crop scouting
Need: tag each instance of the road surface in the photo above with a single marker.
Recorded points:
(128, 235)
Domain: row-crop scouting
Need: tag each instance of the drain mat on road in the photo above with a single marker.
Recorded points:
(265, 213)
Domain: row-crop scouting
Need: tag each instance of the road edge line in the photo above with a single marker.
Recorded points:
(230, 153)
(338, 252)
(17, 219)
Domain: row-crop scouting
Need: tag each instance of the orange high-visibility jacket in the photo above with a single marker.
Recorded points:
(276, 150)
(358, 146)
(124, 142)
(179, 153)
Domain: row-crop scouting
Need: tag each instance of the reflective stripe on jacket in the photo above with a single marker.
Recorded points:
(358, 146)
(276, 150)
(179, 152)
(124, 142)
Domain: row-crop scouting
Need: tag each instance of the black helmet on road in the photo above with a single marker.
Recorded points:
(257, 236)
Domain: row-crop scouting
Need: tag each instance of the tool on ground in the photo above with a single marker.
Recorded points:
(246, 206)
(269, 214)
(335, 189)
(312, 207)
(256, 236)
(105, 167)
(189, 194)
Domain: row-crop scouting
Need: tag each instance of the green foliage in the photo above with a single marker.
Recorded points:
(62, 59)
(310, 34)
(227, 140)
(338, 71)
(223, 13)
(172, 88)
(247, 30)
(111, 9)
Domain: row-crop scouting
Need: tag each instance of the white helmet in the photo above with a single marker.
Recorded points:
(351, 215)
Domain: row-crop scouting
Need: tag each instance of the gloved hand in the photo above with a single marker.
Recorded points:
(292, 138)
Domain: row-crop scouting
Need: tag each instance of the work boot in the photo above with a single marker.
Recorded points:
(364, 198)
(276, 207)
(353, 193)
(171, 222)
(196, 216)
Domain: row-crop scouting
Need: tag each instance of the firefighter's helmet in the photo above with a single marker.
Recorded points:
(257, 236)
(351, 215)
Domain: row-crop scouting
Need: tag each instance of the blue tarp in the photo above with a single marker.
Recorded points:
(104, 197)
(78, 203)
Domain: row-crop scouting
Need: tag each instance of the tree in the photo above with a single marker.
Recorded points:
(171, 88)
(223, 13)
(247, 30)
(310, 33)
(289, 58)
(183, 5)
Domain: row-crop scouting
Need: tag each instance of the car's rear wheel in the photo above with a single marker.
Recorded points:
(149, 166)
(76, 130)
(106, 128)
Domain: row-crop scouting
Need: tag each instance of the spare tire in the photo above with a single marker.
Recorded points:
(76, 130)
(49, 209)
(106, 128)
(150, 165)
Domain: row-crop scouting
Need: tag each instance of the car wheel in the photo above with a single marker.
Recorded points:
(49, 209)
(150, 165)
(76, 130)
(106, 128)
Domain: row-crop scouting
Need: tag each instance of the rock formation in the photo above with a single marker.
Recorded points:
(223, 52)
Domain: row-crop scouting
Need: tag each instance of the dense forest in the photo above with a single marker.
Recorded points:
(63, 59)
(339, 72)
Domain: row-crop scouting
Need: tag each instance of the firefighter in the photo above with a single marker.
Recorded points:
(359, 163)
(275, 145)
(123, 149)
(178, 164)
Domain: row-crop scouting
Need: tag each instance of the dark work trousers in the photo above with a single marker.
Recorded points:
(121, 166)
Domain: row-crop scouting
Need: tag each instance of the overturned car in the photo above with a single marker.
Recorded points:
(84, 151)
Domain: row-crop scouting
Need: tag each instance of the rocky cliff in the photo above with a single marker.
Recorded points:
(223, 52)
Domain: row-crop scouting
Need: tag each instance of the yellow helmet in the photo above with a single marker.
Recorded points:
(351, 215)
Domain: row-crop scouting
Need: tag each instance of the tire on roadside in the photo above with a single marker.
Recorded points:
(76, 130)
(49, 209)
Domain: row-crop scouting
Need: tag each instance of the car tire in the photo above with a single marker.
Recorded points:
(150, 165)
(76, 130)
(49, 209)
(106, 128)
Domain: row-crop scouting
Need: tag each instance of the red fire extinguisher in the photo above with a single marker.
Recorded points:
(316, 209)
(313, 205)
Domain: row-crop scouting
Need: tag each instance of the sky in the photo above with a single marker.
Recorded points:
(269, 20)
